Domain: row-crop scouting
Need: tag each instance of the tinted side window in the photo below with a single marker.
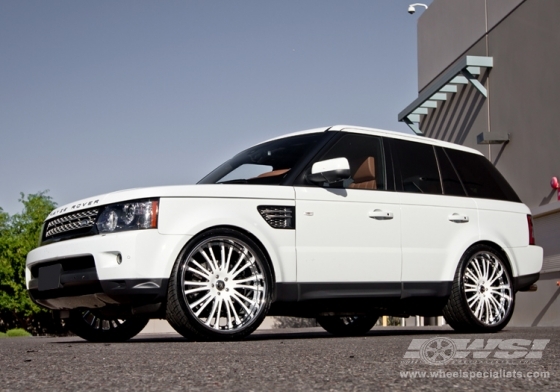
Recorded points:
(416, 169)
(480, 177)
(449, 178)
(365, 156)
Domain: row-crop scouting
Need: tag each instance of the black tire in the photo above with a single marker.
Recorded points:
(347, 326)
(220, 287)
(93, 327)
(482, 297)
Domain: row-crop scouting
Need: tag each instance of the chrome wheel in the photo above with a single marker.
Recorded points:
(95, 327)
(223, 284)
(487, 288)
(220, 287)
(347, 325)
(100, 324)
(482, 297)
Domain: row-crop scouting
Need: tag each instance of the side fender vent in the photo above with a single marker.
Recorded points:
(279, 217)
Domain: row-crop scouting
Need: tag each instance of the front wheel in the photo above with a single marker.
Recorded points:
(220, 287)
(482, 298)
(94, 327)
(347, 326)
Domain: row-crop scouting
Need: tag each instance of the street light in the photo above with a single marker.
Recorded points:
(412, 10)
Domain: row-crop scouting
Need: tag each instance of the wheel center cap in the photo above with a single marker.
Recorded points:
(220, 285)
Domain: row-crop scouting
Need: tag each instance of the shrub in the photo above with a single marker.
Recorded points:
(19, 234)
(17, 332)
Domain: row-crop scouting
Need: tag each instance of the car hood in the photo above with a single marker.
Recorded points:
(237, 191)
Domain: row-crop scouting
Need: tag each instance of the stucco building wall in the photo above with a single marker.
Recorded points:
(522, 37)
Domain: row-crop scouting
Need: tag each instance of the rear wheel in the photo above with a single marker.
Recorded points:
(482, 298)
(220, 287)
(347, 326)
(94, 327)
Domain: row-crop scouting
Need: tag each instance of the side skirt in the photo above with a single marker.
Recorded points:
(387, 298)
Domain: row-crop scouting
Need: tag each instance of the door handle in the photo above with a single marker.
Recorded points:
(380, 214)
(458, 218)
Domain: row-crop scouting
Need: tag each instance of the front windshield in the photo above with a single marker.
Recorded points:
(265, 164)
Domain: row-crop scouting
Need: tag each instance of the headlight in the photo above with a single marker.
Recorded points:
(129, 215)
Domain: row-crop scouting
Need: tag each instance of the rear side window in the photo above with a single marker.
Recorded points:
(416, 167)
(480, 178)
(449, 178)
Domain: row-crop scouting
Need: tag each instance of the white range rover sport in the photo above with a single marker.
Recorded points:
(342, 224)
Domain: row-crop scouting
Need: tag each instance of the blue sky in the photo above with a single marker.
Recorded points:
(98, 96)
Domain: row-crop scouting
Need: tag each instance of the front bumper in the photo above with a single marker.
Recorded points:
(81, 289)
(122, 269)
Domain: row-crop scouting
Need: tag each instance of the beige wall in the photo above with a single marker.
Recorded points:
(523, 90)
(449, 28)
(463, 116)
(445, 31)
(524, 96)
(522, 37)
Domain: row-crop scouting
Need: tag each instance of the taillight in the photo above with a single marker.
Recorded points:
(531, 232)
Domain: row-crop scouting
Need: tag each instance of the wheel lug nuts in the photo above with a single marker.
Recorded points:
(219, 293)
(227, 289)
(217, 276)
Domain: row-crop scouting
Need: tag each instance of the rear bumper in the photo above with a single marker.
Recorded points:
(526, 260)
(525, 281)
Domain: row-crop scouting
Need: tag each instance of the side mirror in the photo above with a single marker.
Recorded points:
(331, 170)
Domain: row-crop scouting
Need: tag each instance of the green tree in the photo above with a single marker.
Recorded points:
(19, 234)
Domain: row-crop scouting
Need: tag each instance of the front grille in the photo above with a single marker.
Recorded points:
(278, 217)
(70, 225)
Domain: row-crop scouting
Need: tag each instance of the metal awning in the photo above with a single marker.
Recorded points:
(462, 72)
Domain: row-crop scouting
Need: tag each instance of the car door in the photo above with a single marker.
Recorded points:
(348, 234)
(438, 220)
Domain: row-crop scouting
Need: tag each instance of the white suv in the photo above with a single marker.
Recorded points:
(342, 224)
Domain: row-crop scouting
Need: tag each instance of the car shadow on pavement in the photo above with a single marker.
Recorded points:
(319, 333)
(286, 334)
